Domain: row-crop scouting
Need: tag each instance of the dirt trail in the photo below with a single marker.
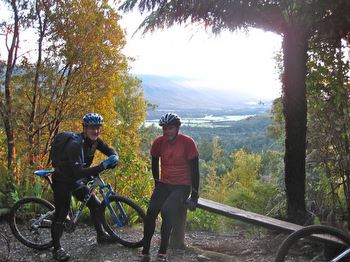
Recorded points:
(201, 246)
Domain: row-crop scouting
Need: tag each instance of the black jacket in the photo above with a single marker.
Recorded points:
(75, 167)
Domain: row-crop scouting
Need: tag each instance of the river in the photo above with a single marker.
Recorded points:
(206, 121)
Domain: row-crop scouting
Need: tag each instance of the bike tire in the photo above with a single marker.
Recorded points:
(300, 246)
(130, 233)
(24, 214)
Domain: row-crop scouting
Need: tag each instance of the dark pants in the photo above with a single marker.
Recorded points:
(167, 200)
(63, 192)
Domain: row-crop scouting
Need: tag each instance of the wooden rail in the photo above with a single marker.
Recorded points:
(246, 216)
(257, 219)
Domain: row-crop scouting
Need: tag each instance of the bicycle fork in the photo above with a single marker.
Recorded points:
(120, 222)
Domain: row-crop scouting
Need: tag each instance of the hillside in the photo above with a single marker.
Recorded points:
(207, 114)
(177, 93)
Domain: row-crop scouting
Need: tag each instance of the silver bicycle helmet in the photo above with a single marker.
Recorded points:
(170, 119)
(92, 119)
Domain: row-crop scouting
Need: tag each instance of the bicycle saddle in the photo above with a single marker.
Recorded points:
(44, 173)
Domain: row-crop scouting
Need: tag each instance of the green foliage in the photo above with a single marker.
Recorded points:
(232, 15)
(132, 178)
(8, 193)
(249, 134)
(258, 197)
(203, 220)
(205, 148)
(244, 186)
(148, 134)
(329, 130)
(272, 164)
(276, 129)
(2, 144)
(246, 168)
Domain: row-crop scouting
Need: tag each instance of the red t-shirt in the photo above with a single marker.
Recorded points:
(174, 158)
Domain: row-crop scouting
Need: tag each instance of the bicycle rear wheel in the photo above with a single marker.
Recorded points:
(303, 245)
(30, 222)
(124, 221)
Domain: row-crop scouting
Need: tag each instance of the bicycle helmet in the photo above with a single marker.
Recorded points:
(92, 119)
(170, 119)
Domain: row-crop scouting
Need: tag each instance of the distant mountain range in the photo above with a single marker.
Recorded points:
(173, 93)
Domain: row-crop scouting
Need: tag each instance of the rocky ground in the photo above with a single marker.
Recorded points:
(242, 245)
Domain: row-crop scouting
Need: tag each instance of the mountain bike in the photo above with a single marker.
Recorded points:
(315, 243)
(4, 248)
(31, 217)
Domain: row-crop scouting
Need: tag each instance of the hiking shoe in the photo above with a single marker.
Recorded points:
(60, 254)
(143, 258)
(104, 238)
(161, 258)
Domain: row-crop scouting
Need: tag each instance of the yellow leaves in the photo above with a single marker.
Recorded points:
(92, 36)
(246, 167)
(244, 174)
(83, 70)
(91, 43)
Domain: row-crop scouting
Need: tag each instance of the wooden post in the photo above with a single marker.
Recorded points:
(177, 238)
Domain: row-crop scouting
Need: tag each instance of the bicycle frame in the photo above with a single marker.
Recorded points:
(42, 221)
(94, 183)
(341, 255)
(98, 182)
(33, 228)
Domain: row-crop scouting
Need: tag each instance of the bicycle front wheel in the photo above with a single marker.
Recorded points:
(124, 221)
(30, 221)
(314, 243)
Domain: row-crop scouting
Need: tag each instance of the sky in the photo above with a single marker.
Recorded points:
(232, 61)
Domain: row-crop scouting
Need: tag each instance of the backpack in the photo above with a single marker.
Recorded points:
(58, 145)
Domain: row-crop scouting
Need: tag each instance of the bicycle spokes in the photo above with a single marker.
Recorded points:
(124, 221)
(118, 214)
(30, 222)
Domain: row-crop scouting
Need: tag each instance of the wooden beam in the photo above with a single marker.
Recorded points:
(257, 219)
(246, 216)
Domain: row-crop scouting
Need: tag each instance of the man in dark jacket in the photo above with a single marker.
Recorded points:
(74, 166)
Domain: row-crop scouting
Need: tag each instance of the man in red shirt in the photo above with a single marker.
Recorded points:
(179, 177)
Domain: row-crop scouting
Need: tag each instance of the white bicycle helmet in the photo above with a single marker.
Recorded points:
(92, 119)
(170, 119)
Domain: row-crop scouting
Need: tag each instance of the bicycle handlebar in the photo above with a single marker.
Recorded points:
(47, 172)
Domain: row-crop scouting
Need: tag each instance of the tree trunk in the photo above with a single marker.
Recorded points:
(295, 113)
(33, 128)
(6, 106)
(11, 146)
